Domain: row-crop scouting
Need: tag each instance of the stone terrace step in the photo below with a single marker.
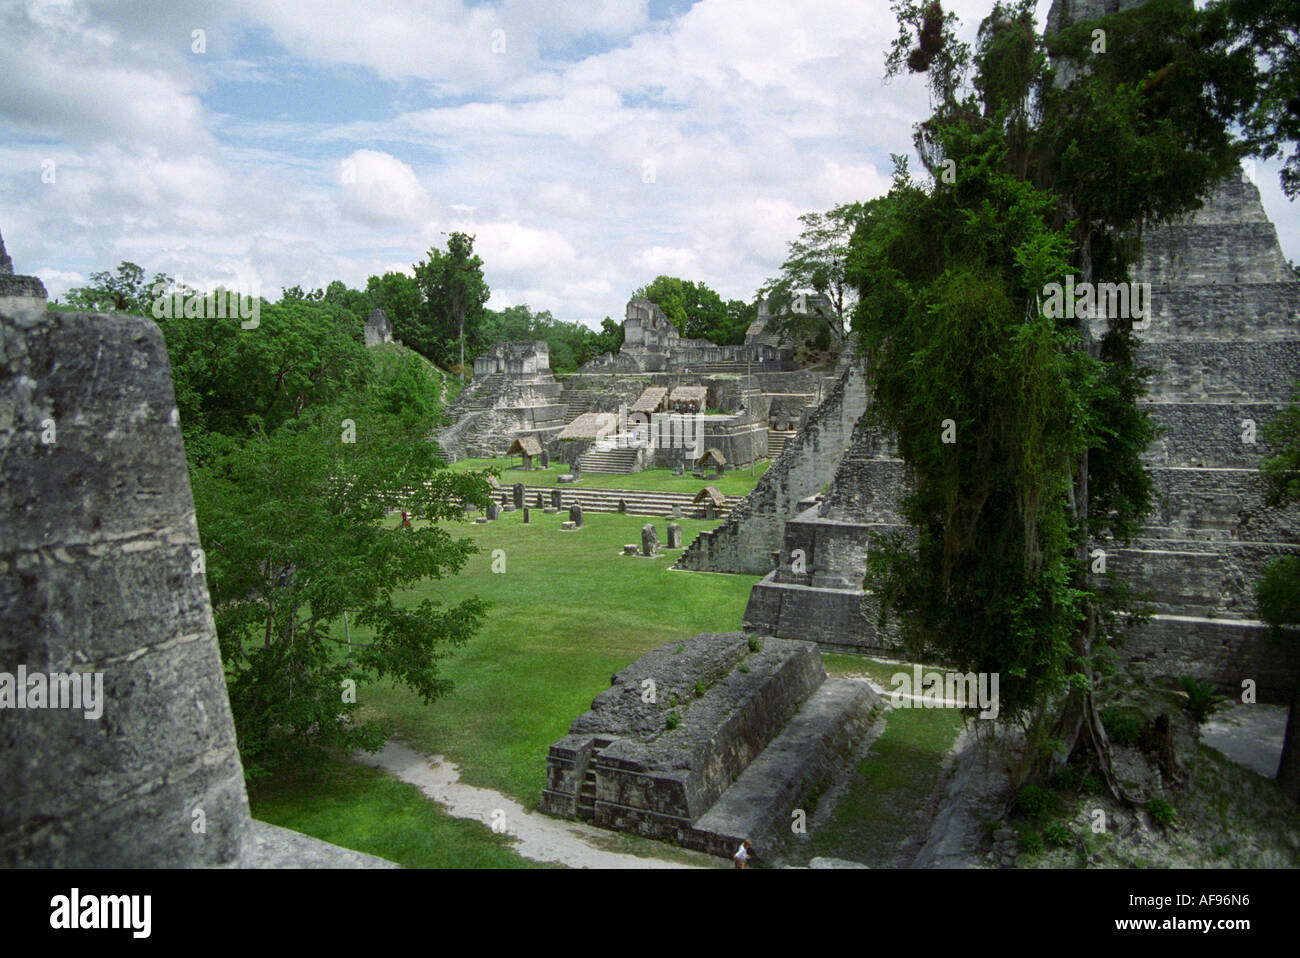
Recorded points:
(639, 502)
(822, 734)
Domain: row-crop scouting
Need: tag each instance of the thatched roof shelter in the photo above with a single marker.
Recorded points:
(711, 494)
(525, 446)
(651, 400)
(693, 396)
(711, 457)
(589, 425)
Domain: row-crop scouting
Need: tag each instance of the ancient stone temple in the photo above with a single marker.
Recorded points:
(1224, 339)
(512, 395)
(129, 758)
(18, 292)
(708, 741)
(651, 343)
(378, 328)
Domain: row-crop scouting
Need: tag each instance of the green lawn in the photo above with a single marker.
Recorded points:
(568, 611)
(366, 809)
(734, 482)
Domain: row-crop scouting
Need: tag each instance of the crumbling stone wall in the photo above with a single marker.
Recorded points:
(744, 543)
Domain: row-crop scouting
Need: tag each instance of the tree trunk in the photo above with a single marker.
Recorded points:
(1288, 769)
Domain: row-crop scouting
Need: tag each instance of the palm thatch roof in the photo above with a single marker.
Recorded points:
(589, 425)
(695, 394)
(711, 457)
(650, 400)
(713, 495)
(525, 446)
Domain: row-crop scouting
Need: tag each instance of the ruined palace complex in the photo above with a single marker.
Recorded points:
(705, 740)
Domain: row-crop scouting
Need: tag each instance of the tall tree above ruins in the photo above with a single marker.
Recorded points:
(454, 296)
(817, 261)
(1022, 432)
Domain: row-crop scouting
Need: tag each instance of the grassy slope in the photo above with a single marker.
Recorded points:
(737, 482)
(364, 808)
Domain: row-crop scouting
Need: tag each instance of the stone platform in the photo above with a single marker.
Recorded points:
(754, 732)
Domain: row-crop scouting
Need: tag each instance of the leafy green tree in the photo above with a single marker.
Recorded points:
(1272, 30)
(817, 261)
(1021, 430)
(233, 381)
(124, 291)
(291, 524)
(1278, 591)
(696, 310)
(454, 295)
(398, 295)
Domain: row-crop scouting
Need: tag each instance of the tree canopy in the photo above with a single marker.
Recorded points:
(1021, 430)
(698, 312)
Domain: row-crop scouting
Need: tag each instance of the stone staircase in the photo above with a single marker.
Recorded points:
(639, 502)
(619, 462)
(575, 404)
(777, 440)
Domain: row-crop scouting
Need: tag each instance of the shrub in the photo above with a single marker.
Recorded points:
(1032, 801)
(1161, 811)
(1058, 833)
(755, 644)
(1067, 779)
(1031, 842)
(699, 689)
(1202, 699)
(672, 720)
(1123, 726)
(1094, 784)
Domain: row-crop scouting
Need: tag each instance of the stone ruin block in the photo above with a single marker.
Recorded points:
(528, 516)
(629, 549)
(622, 506)
(674, 535)
(743, 748)
(493, 511)
(518, 495)
(649, 540)
(575, 515)
(568, 524)
(557, 499)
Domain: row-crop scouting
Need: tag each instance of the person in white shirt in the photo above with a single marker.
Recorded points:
(743, 854)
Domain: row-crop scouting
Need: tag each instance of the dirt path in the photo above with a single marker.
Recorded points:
(540, 838)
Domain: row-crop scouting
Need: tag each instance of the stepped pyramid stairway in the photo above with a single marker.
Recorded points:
(777, 439)
(574, 403)
(640, 502)
(620, 462)
(495, 408)
(738, 758)
(1224, 339)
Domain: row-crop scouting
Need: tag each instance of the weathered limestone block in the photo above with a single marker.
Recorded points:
(575, 515)
(674, 535)
(649, 540)
(518, 495)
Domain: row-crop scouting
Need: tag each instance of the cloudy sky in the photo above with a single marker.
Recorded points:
(589, 146)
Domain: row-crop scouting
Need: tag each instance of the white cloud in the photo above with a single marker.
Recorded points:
(379, 189)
